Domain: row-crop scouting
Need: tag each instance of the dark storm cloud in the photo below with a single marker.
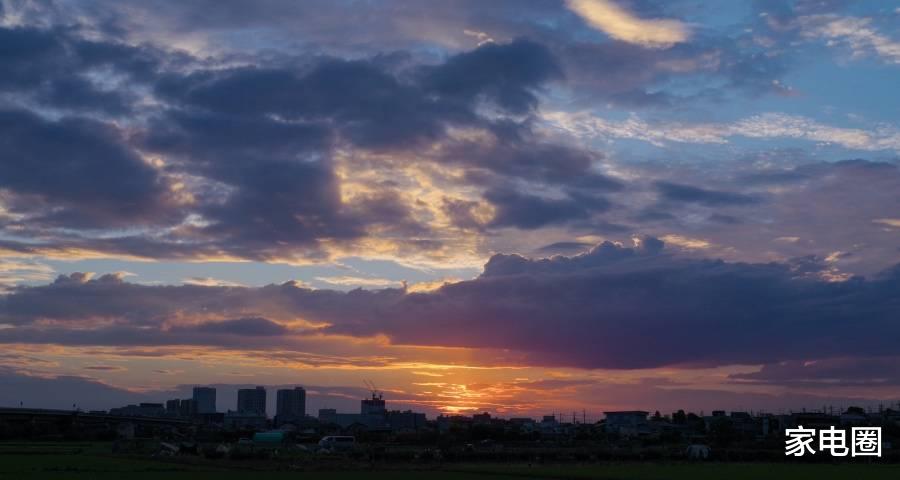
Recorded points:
(462, 213)
(528, 157)
(256, 142)
(507, 167)
(76, 172)
(53, 67)
(601, 69)
(73, 171)
(689, 194)
(864, 371)
(724, 219)
(515, 209)
(290, 203)
(369, 104)
(250, 135)
(208, 140)
(589, 310)
(268, 135)
(128, 303)
(564, 247)
(252, 326)
(506, 74)
(592, 310)
(653, 214)
(282, 189)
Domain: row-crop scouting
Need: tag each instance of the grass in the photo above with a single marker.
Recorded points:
(693, 471)
(91, 461)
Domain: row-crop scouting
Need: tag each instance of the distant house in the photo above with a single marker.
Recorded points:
(854, 416)
(628, 423)
(406, 420)
(140, 410)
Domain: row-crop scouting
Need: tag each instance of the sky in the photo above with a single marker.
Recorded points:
(521, 207)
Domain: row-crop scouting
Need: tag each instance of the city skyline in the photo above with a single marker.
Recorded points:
(290, 407)
(505, 206)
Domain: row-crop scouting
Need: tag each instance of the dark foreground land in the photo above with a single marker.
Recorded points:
(94, 461)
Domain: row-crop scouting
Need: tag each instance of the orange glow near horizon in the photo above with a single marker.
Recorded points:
(446, 386)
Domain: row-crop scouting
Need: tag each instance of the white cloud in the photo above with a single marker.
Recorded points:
(482, 37)
(891, 222)
(856, 33)
(762, 126)
(210, 282)
(623, 25)
(15, 272)
(348, 281)
(769, 125)
(686, 242)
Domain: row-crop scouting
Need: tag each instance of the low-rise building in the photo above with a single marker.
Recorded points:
(140, 410)
(627, 423)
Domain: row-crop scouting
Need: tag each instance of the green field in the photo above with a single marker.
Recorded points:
(88, 461)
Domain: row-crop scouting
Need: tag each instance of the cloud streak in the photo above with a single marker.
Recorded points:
(762, 126)
(621, 24)
(858, 34)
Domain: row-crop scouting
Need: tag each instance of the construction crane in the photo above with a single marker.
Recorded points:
(372, 389)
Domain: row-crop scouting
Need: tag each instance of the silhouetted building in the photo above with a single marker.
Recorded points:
(290, 404)
(373, 406)
(252, 400)
(372, 416)
(627, 423)
(406, 420)
(187, 408)
(140, 410)
(481, 418)
(205, 398)
(326, 413)
(453, 422)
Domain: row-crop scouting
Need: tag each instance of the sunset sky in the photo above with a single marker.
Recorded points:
(524, 207)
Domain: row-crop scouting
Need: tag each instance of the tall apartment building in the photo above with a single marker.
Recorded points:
(252, 400)
(205, 398)
(290, 403)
